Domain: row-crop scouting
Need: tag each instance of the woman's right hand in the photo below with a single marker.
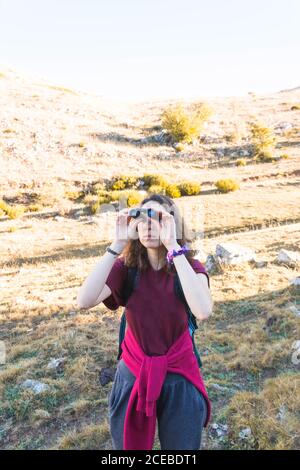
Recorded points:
(126, 227)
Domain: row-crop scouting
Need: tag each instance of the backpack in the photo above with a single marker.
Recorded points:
(129, 286)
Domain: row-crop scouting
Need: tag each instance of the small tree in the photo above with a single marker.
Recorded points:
(226, 185)
(262, 138)
(184, 126)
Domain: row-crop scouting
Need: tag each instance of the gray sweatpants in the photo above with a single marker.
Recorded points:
(181, 410)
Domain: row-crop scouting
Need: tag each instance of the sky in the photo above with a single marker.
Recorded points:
(154, 49)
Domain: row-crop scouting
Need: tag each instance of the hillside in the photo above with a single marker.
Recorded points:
(56, 141)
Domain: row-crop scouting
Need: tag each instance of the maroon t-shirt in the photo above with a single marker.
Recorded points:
(155, 314)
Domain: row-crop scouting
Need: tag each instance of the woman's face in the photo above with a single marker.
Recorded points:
(149, 227)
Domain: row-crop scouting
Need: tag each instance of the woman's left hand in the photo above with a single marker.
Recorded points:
(168, 231)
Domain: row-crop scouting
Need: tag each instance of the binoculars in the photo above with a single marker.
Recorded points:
(147, 212)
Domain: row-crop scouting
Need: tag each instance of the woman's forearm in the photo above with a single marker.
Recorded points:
(94, 283)
(196, 290)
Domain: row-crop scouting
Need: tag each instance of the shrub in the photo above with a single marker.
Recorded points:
(183, 126)
(179, 147)
(227, 185)
(262, 138)
(131, 195)
(150, 179)
(124, 182)
(117, 185)
(96, 187)
(265, 157)
(12, 211)
(233, 137)
(241, 162)
(295, 107)
(101, 200)
(34, 208)
(173, 191)
(74, 195)
(89, 199)
(157, 189)
(284, 156)
(134, 197)
(291, 133)
(188, 188)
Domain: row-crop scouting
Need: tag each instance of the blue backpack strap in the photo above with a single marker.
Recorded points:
(192, 322)
(130, 284)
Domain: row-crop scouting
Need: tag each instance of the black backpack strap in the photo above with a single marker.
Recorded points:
(130, 284)
(192, 321)
(121, 333)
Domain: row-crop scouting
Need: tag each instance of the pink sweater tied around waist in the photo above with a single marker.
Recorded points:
(150, 373)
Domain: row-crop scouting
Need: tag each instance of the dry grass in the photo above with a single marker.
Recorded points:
(271, 415)
(246, 346)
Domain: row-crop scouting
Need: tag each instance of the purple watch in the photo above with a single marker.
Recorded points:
(172, 253)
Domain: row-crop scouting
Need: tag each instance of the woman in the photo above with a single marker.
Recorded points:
(153, 380)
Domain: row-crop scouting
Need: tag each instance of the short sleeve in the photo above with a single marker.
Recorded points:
(115, 281)
(200, 268)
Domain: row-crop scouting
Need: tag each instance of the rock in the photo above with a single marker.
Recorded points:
(106, 375)
(59, 218)
(56, 363)
(296, 281)
(210, 263)
(295, 310)
(220, 153)
(161, 137)
(91, 220)
(165, 155)
(36, 386)
(283, 126)
(296, 345)
(7, 425)
(40, 414)
(2, 353)
(178, 146)
(281, 414)
(219, 429)
(206, 139)
(89, 149)
(245, 433)
(219, 387)
(270, 321)
(261, 264)
(79, 213)
(296, 353)
(244, 153)
(288, 257)
(232, 253)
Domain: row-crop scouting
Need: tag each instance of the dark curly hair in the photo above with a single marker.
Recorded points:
(135, 253)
